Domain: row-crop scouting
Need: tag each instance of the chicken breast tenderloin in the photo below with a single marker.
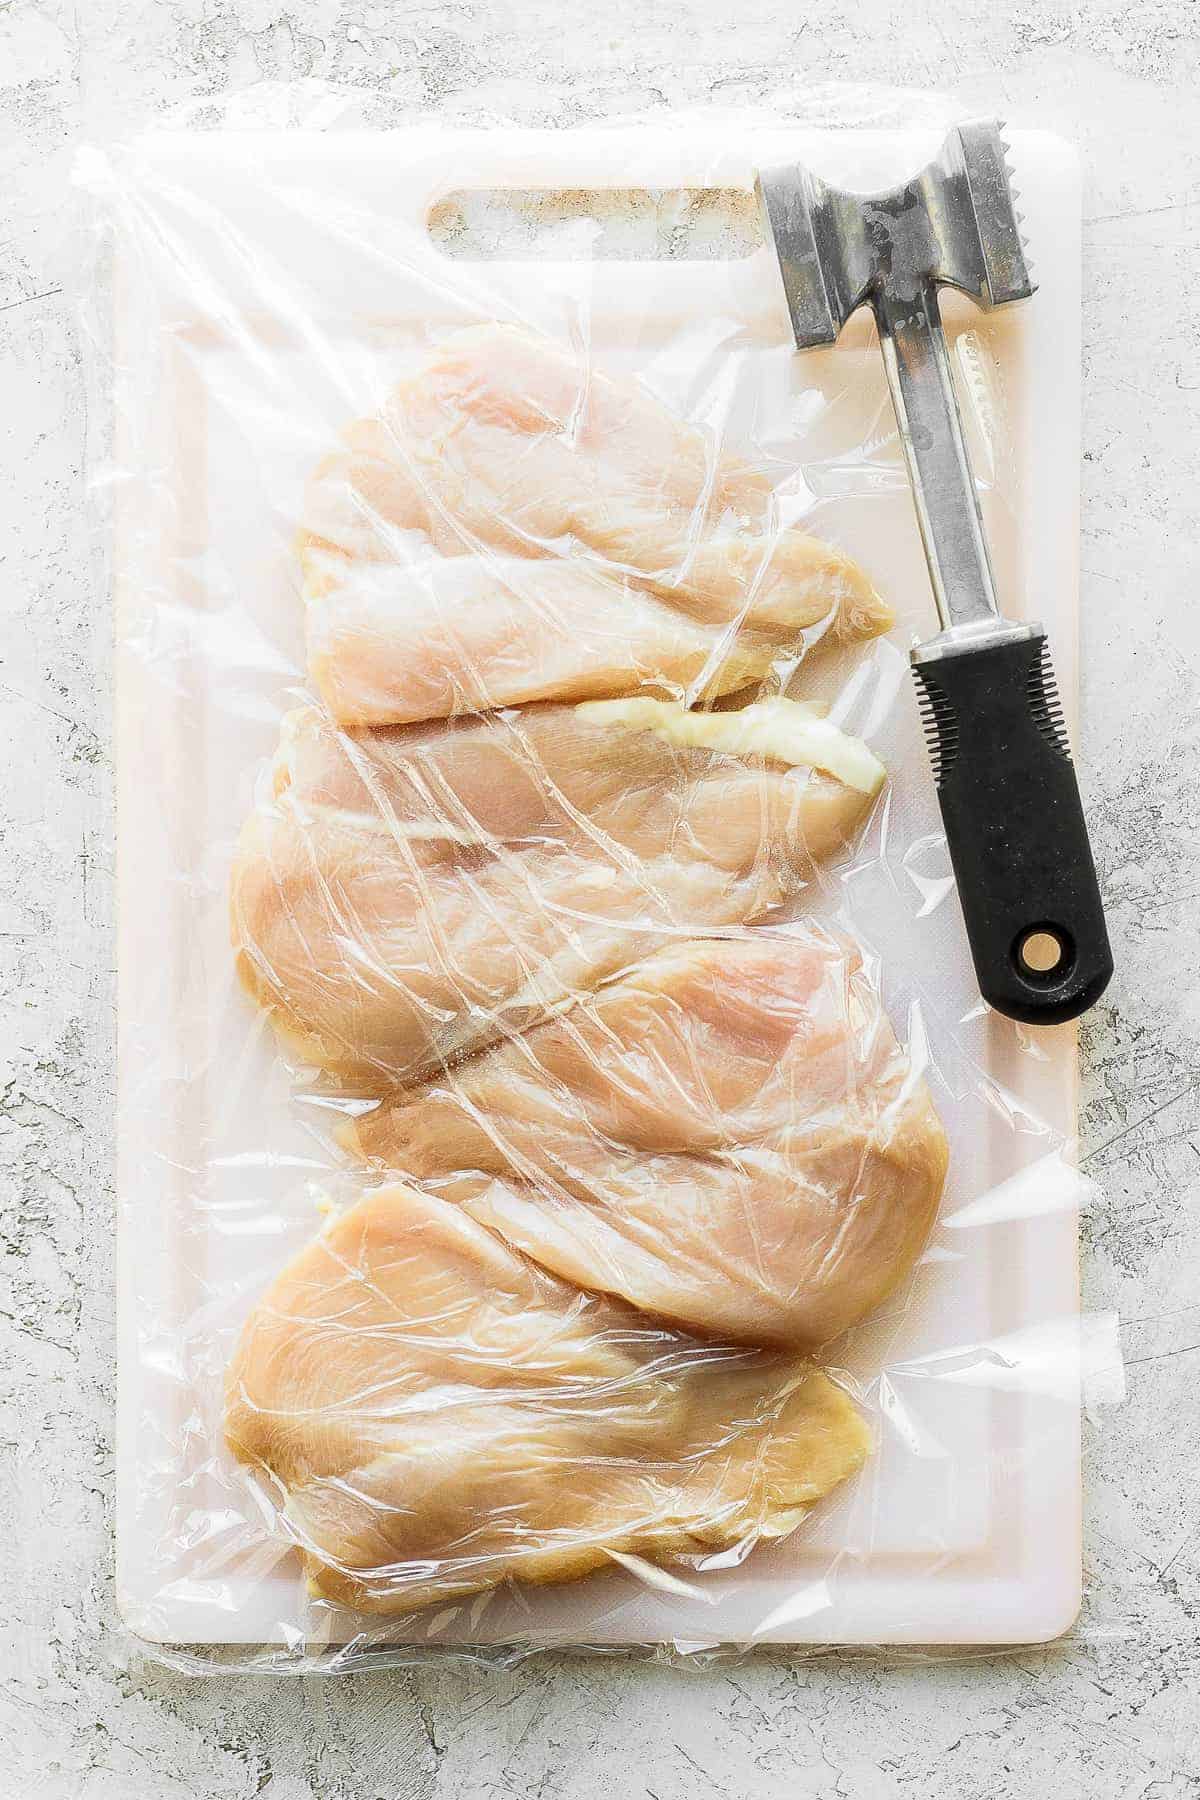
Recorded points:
(515, 526)
(442, 1416)
(728, 1136)
(411, 894)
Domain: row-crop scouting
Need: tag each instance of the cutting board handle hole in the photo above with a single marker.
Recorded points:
(679, 224)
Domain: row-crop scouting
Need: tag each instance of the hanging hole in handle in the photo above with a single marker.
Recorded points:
(1044, 953)
(622, 224)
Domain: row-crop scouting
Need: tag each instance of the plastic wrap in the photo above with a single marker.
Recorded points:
(571, 1191)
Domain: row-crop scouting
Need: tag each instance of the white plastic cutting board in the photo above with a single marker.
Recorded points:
(965, 1526)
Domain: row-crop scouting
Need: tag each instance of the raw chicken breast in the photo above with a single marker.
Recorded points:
(442, 1416)
(441, 636)
(414, 893)
(728, 1136)
(492, 536)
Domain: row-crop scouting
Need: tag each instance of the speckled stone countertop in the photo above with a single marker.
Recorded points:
(1114, 1712)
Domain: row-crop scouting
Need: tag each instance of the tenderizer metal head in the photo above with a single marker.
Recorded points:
(953, 225)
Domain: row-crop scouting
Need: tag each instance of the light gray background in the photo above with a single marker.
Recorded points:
(1116, 1713)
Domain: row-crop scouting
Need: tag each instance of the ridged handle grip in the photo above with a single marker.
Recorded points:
(1015, 829)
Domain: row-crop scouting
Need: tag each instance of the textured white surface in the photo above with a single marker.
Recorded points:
(1114, 1713)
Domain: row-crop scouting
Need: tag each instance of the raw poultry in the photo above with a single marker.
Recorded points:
(407, 895)
(498, 889)
(728, 1136)
(515, 526)
(441, 1415)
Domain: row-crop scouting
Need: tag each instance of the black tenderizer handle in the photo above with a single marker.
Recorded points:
(1015, 828)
